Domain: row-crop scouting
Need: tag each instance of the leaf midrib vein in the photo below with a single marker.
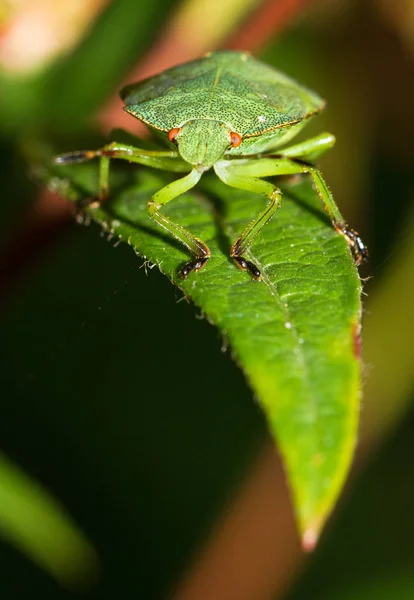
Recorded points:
(299, 354)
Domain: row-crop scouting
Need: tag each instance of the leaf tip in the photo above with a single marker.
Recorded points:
(309, 540)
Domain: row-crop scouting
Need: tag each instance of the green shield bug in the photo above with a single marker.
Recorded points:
(230, 112)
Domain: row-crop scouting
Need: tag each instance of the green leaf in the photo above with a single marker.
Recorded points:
(294, 333)
(35, 523)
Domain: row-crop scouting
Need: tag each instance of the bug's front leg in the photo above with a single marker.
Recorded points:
(168, 160)
(258, 186)
(197, 247)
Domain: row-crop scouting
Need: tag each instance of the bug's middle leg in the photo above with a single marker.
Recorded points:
(258, 186)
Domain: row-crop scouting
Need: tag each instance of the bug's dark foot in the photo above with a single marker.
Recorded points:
(246, 265)
(357, 246)
(87, 203)
(71, 158)
(193, 265)
(80, 214)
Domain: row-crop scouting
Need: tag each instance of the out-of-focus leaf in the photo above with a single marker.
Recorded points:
(399, 14)
(34, 522)
(388, 340)
(70, 88)
(293, 333)
(395, 586)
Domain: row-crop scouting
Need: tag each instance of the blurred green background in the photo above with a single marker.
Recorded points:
(115, 396)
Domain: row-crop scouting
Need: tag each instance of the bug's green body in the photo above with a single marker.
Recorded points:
(229, 111)
(233, 90)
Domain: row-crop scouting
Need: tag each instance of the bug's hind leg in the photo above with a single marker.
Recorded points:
(358, 249)
(268, 166)
(311, 149)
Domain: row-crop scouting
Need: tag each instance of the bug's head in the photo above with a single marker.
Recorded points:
(203, 142)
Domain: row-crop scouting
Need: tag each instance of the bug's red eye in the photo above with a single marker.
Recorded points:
(236, 139)
(172, 134)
